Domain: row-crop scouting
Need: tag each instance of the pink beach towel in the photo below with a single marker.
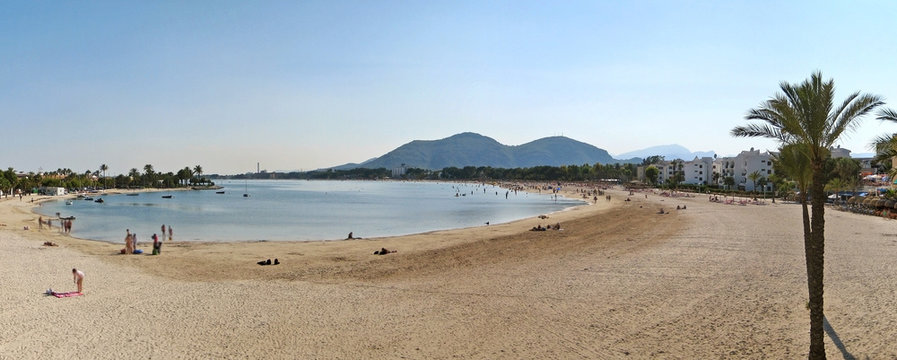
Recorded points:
(66, 294)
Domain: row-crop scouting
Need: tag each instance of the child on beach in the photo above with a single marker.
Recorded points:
(78, 277)
(157, 246)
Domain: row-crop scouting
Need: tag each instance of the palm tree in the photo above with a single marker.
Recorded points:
(198, 171)
(774, 180)
(886, 145)
(835, 185)
(185, 174)
(762, 182)
(729, 182)
(805, 115)
(103, 168)
(754, 176)
(150, 174)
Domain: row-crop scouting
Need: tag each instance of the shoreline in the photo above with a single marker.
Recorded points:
(522, 187)
(177, 253)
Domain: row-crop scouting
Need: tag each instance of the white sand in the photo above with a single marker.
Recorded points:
(620, 281)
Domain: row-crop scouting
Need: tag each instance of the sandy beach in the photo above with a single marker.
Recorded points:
(620, 281)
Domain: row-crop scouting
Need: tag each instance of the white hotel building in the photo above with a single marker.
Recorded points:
(700, 170)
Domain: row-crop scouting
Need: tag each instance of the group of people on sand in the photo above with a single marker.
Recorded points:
(131, 241)
(683, 207)
(539, 227)
(67, 226)
(64, 224)
(170, 232)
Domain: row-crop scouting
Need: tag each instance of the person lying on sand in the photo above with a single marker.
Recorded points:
(264, 262)
(384, 251)
(49, 243)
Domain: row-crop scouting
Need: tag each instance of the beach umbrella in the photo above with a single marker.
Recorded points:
(867, 201)
(880, 202)
(852, 200)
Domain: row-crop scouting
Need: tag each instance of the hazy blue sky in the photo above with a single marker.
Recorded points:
(310, 84)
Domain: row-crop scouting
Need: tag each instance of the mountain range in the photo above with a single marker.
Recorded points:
(669, 152)
(471, 149)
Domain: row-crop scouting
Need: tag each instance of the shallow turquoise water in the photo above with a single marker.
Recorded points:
(303, 210)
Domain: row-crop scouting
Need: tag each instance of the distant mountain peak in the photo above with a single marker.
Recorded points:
(472, 149)
(669, 152)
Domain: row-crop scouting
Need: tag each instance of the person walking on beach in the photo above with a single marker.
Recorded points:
(78, 277)
(170, 233)
(40, 222)
(163, 229)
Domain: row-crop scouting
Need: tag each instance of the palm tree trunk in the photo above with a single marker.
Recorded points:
(815, 254)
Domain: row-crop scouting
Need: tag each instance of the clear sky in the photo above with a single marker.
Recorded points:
(310, 84)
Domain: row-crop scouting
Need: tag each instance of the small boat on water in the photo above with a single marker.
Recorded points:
(167, 196)
(69, 202)
(219, 192)
(88, 198)
(134, 194)
(100, 200)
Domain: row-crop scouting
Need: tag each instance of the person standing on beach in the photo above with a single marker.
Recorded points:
(78, 277)
(40, 222)
(170, 233)
(163, 229)
(129, 247)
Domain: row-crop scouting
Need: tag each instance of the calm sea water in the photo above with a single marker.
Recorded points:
(303, 210)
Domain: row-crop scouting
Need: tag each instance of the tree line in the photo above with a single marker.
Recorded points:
(585, 172)
(12, 182)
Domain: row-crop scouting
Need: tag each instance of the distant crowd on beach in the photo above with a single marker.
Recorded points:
(65, 225)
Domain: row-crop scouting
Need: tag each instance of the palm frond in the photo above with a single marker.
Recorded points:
(757, 130)
(887, 114)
